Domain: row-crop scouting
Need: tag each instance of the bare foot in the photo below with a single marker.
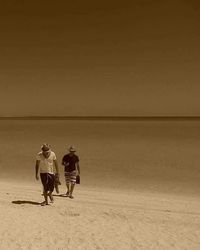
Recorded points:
(51, 197)
(44, 203)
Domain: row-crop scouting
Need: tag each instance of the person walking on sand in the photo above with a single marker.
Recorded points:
(45, 162)
(72, 170)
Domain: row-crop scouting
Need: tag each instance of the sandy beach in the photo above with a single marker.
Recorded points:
(139, 187)
(97, 219)
(119, 81)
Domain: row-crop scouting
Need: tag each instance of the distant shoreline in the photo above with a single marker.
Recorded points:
(105, 118)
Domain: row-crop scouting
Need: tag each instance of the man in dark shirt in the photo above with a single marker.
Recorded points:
(72, 170)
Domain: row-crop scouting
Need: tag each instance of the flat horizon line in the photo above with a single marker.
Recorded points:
(112, 118)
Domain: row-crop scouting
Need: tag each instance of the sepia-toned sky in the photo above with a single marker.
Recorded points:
(134, 58)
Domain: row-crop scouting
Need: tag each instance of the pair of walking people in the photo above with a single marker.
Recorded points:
(47, 166)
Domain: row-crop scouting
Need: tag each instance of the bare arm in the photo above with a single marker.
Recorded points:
(65, 163)
(56, 166)
(78, 168)
(36, 169)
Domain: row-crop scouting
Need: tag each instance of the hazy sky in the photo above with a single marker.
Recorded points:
(100, 57)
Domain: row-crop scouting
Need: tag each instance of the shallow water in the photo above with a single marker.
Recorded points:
(153, 155)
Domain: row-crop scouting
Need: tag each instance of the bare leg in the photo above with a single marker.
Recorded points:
(45, 198)
(67, 184)
(51, 197)
(71, 191)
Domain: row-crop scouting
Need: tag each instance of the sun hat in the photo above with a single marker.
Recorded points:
(45, 147)
(72, 149)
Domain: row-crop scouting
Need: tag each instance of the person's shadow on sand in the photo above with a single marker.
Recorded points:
(19, 202)
(60, 195)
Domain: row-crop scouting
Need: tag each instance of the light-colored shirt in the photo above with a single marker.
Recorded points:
(46, 164)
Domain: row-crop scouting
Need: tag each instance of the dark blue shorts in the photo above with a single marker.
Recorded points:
(48, 181)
